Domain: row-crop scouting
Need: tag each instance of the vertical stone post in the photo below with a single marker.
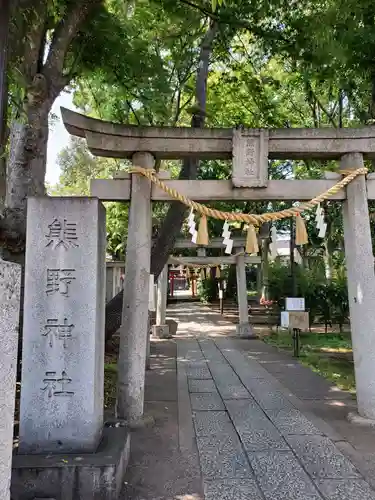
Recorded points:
(109, 279)
(10, 285)
(361, 285)
(243, 328)
(259, 280)
(63, 330)
(161, 329)
(201, 252)
(134, 329)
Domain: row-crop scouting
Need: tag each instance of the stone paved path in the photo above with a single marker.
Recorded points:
(239, 432)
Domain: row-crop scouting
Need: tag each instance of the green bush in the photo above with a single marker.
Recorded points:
(326, 301)
(208, 290)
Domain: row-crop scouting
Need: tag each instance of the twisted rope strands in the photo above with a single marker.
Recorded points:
(249, 218)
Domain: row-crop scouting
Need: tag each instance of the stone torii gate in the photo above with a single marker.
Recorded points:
(250, 150)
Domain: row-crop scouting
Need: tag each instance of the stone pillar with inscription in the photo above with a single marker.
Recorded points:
(244, 329)
(63, 334)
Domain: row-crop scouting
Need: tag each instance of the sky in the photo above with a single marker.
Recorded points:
(58, 137)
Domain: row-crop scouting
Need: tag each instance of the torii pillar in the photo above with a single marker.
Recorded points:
(361, 285)
(134, 329)
(244, 329)
(161, 329)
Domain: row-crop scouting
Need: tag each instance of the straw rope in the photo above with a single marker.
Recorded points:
(254, 219)
(176, 260)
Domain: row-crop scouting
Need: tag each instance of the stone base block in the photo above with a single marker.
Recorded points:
(173, 325)
(91, 476)
(355, 418)
(245, 331)
(161, 332)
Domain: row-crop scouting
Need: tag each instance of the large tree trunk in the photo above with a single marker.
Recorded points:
(176, 214)
(4, 29)
(26, 168)
(41, 64)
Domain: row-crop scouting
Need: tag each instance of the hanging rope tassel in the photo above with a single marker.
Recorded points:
(202, 238)
(251, 240)
(301, 233)
(218, 274)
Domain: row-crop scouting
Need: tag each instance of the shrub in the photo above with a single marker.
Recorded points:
(208, 290)
(325, 301)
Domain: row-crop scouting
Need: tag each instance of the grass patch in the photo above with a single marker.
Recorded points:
(315, 353)
(110, 385)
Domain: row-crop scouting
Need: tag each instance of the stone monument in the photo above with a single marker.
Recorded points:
(63, 335)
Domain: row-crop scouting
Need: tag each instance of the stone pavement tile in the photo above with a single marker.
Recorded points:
(256, 432)
(189, 349)
(221, 456)
(202, 386)
(281, 477)
(321, 458)
(346, 489)
(232, 489)
(270, 399)
(232, 391)
(206, 401)
(223, 372)
(243, 365)
(210, 351)
(292, 421)
(197, 370)
(207, 423)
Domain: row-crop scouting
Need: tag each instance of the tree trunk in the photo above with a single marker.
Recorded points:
(176, 214)
(4, 29)
(44, 75)
(26, 168)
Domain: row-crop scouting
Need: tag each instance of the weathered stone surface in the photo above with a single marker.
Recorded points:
(169, 142)
(10, 284)
(207, 423)
(162, 291)
(172, 325)
(134, 329)
(202, 386)
(250, 158)
(255, 430)
(221, 456)
(361, 285)
(271, 400)
(321, 458)
(222, 371)
(232, 489)
(63, 333)
(346, 489)
(292, 421)
(197, 370)
(245, 331)
(206, 401)
(87, 476)
(161, 332)
(232, 391)
(245, 368)
(243, 328)
(281, 476)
